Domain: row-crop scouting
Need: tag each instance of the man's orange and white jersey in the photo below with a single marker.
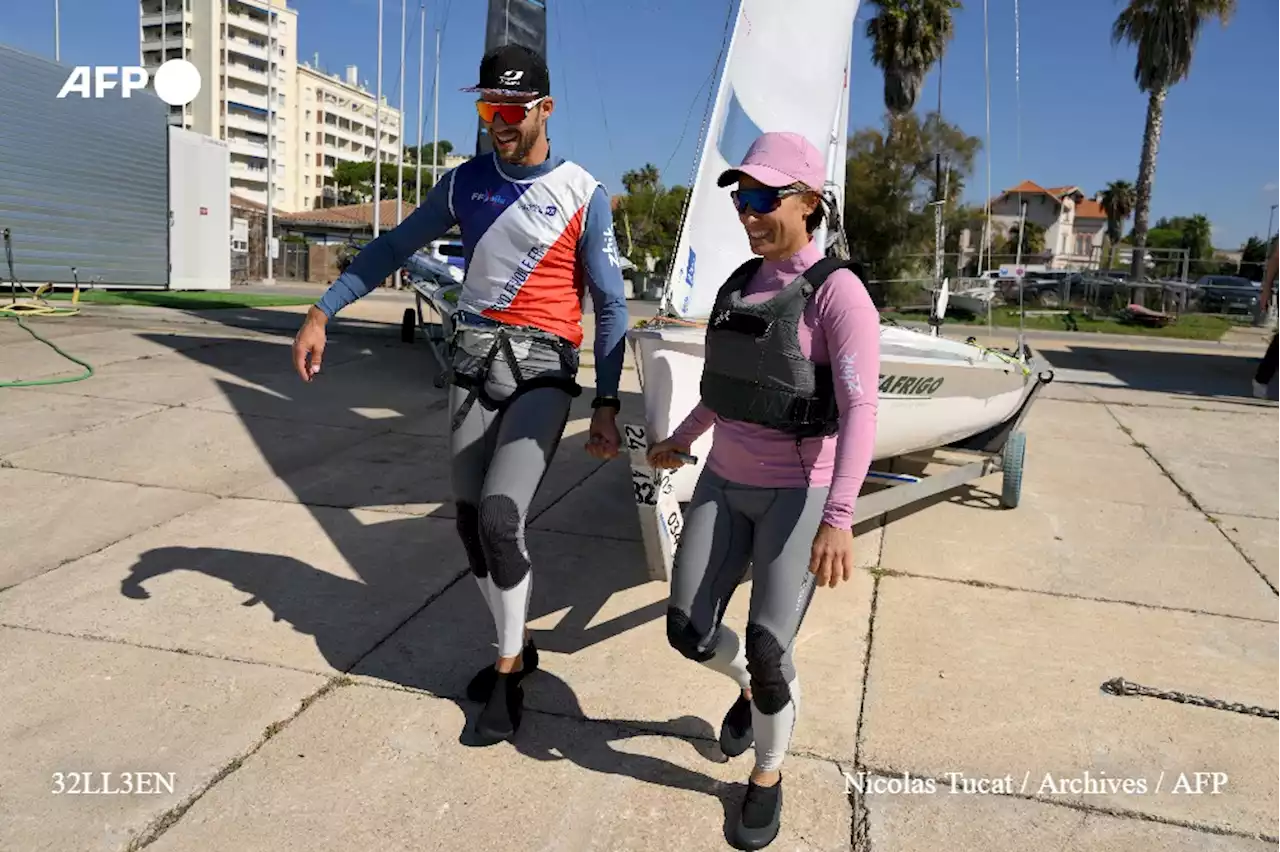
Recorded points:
(521, 239)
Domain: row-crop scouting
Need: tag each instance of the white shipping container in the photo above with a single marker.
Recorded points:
(199, 211)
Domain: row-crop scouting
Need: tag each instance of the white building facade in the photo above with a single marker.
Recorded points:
(255, 93)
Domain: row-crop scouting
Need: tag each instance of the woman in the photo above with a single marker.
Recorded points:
(790, 383)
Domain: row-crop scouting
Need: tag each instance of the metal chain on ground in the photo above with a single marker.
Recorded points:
(1120, 686)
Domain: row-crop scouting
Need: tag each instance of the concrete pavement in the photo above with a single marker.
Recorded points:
(253, 587)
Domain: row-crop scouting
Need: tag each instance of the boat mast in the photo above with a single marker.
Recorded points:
(422, 49)
(525, 25)
(400, 119)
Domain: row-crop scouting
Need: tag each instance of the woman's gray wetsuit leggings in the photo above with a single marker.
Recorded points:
(726, 528)
(499, 458)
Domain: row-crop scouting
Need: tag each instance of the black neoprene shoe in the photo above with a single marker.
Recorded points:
(500, 718)
(736, 734)
(760, 819)
(481, 685)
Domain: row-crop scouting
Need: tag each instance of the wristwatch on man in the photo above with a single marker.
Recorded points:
(607, 402)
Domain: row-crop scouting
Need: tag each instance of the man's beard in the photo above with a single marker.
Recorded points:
(523, 146)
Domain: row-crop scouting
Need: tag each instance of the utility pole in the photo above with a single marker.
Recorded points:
(57, 33)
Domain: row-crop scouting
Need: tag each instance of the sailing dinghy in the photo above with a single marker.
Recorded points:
(933, 392)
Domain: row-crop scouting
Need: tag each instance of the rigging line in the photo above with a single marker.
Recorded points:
(710, 78)
(730, 16)
(564, 79)
(604, 113)
(986, 70)
(1017, 95)
(395, 86)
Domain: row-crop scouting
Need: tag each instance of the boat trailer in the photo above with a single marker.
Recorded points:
(441, 300)
(1000, 448)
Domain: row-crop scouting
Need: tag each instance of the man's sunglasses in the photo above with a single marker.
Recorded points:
(511, 113)
(761, 199)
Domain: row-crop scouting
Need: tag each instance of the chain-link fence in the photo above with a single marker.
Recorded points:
(1004, 284)
(292, 263)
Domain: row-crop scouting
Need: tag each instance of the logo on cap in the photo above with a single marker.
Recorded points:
(511, 78)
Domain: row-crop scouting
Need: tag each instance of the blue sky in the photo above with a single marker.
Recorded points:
(627, 75)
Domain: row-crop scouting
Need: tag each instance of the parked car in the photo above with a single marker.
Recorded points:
(1227, 294)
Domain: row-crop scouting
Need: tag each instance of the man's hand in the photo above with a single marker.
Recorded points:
(308, 344)
(831, 559)
(603, 439)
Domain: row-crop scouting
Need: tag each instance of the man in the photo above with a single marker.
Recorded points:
(1267, 364)
(536, 230)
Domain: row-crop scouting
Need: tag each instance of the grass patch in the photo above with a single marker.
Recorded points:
(195, 300)
(1186, 327)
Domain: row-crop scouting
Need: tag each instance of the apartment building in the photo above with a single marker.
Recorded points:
(247, 54)
(338, 121)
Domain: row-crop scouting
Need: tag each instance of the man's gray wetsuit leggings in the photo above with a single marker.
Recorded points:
(726, 528)
(499, 458)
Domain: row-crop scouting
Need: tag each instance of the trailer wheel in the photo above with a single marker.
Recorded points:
(407, 325)
(1014, 453)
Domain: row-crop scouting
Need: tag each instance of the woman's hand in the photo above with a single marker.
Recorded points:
(662, 455)
(831, 559)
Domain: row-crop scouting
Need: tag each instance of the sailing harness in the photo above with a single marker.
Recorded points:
(755, 370)
(497, 363)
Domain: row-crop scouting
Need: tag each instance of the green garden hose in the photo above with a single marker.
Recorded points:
(16, 311)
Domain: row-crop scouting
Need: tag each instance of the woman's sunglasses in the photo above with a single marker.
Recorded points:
(761, 199)
(511, 113)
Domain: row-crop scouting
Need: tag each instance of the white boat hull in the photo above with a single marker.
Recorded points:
(933, 391)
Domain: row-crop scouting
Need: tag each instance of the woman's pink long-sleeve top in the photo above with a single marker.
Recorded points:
(841, 327)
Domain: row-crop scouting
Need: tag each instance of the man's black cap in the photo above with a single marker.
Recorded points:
(513, 69)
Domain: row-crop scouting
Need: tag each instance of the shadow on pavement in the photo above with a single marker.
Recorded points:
(354, 621)
(1184, 373)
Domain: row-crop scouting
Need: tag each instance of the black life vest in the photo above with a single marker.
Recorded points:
(755, 370)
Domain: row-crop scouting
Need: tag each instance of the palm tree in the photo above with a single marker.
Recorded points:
(1165, 33)
(638, 180)
(907, 38)
(1197, 236)
(1117, 202)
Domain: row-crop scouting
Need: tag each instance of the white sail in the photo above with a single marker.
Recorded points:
(787, 69)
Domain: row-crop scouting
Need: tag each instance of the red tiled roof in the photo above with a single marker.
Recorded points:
(351, 215)
(1089, 209)
(239, 201)
(1027, 187)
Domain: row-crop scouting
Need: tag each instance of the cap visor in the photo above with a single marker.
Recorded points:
(764, 174)
(485, 90)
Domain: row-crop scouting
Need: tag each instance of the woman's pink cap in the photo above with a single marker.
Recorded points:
(781, 159)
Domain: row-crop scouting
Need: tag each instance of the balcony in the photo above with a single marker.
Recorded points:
(243, 171)
(249, 74)
(245, 47)
(247, 147)
(249, 123)
(249, 98)
(258, 26)
(173, 16)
